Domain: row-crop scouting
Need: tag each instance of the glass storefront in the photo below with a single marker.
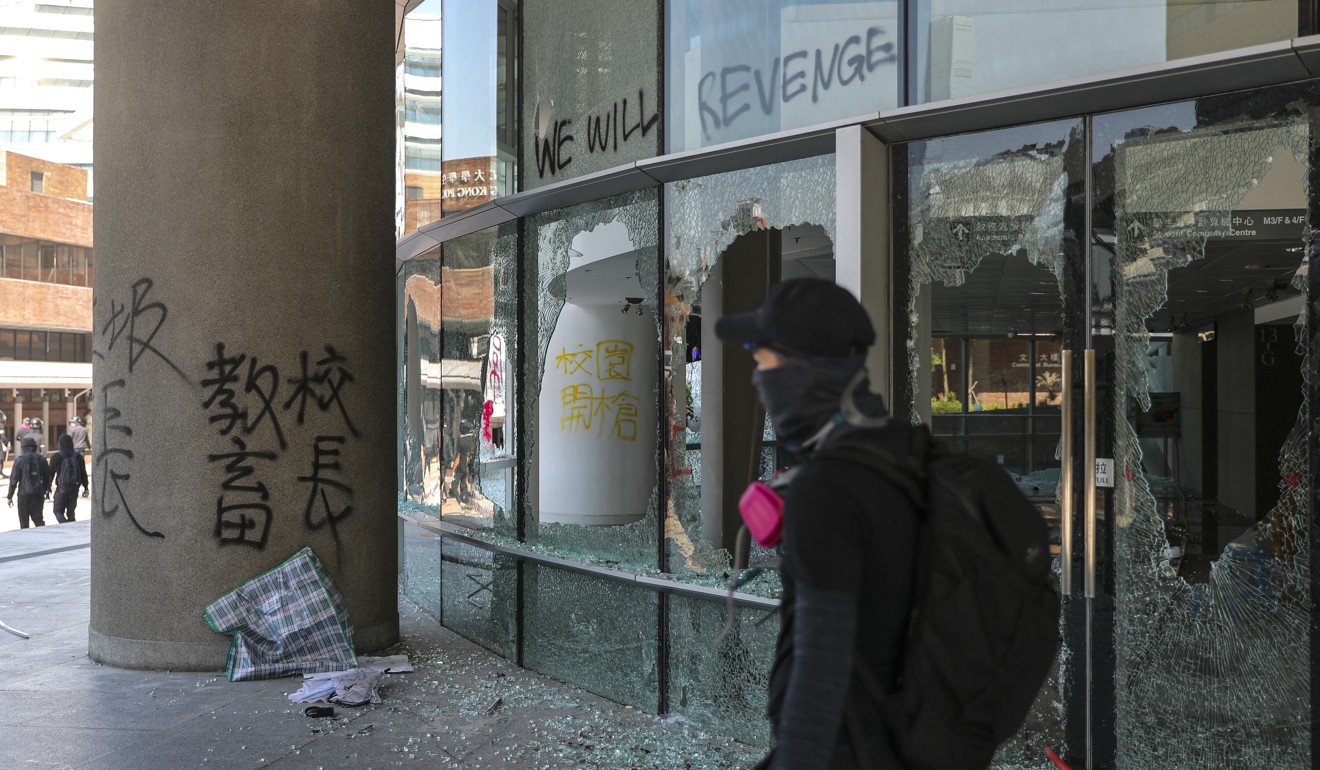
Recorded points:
(591, 353)
(1109, 306)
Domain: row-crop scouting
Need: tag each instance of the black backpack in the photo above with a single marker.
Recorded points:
(985, 617)
(29, 479)
(67, 479)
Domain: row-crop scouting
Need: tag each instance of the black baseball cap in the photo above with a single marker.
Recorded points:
(807, 316)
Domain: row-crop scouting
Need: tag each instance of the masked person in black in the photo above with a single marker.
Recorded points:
(849, 536)
(68, 471)
(30, 479)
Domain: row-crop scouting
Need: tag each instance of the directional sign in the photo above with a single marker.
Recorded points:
(961, 231)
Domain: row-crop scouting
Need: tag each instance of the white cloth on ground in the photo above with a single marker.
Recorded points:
(353, 687)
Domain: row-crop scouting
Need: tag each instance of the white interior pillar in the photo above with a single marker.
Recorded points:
(862, 240)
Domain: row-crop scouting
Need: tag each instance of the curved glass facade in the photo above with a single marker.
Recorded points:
(573, 440)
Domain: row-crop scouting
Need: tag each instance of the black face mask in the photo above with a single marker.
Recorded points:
(802, 394)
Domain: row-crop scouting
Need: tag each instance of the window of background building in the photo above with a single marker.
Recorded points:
(38, 182)
(968, 47)
(33, 345)
(422, 66)
(742, 68)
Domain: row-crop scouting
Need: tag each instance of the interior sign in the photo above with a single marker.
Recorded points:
(1104, 472)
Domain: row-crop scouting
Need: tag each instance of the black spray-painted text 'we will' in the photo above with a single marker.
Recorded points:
(605, 132)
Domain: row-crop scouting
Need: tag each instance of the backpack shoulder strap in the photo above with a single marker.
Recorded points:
(908, 473)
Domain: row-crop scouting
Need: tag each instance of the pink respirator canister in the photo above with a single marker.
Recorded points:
(762, 511)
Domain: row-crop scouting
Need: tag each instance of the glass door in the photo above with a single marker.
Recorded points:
(1114, 310)
(990, 310)
(1202, 475)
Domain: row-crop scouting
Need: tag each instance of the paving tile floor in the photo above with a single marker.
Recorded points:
(462, 708)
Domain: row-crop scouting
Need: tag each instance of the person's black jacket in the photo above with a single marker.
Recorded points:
(68, 455)
(29, 456)
(850, 539)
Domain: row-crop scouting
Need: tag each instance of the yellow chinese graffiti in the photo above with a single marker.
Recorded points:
(592, 406)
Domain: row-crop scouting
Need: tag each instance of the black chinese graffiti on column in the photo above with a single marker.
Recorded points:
(130, 330)
(241, 395)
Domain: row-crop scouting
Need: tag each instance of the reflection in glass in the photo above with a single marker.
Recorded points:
(459, 330)
(743, 68)
(479, 141)
(1205, 227)
(420, 129)
(965, 47)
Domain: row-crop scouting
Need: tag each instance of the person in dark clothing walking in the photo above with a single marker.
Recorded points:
(849, 536)
(30, 478)
(68, 470)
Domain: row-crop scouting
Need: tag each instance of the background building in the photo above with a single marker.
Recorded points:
(46, 81)
(46, 270)
(46, 86)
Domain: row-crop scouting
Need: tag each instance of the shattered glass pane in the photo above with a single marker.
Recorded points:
(598, 634)
(705, 216)
(459, 308)
(721, 689)
(480, 595)
(591, 96)
(419, 567)
(994, 195)
(592, 282)
(986, 269)
(1233, 622)
(420, 345)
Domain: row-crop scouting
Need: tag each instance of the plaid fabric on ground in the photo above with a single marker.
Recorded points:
(290, 620)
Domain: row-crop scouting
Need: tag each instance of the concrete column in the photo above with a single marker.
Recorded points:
(244, 380)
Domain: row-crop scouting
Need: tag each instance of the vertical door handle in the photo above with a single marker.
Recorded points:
(1066, 480)
(1088, 437)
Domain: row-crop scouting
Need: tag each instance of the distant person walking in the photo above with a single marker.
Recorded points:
(68, 468)
(79, 435)
(4, 452)
(30, 478)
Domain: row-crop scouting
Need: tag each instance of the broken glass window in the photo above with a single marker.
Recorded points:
(592, 283)
(598, 634)
(721, 688)
(793, 200)
(985, 266)
(1212, 638)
